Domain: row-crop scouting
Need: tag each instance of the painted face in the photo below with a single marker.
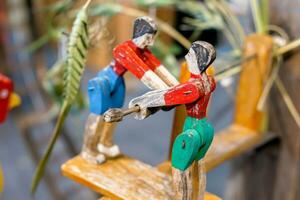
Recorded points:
(191, 60)
(200, 56)
(144, 40)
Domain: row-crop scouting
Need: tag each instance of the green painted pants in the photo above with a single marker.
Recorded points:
(193, 143)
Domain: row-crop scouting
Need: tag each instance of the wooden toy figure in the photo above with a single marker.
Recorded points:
(107, 90)
(197, 135)
(8, 99)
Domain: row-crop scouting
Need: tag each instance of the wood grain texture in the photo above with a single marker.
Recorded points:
(186, 184)
(207, 196)
(122, 178)
(252, 176)
(247, 179)
(252, 79)
(274, 171)
(106, 137)
(92, 133)
(288, 167)
(286, 14)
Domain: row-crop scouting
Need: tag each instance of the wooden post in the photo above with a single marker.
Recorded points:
(273, 171)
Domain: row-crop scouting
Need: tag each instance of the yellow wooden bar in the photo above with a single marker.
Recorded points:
(123, 178)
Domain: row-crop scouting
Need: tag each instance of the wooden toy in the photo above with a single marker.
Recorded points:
(123, 177)
(107, 90)
(8, 99)
(192, 144)
(127, 178)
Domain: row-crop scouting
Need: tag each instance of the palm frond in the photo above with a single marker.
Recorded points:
(77, 50)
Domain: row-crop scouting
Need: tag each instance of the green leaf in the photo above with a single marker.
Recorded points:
(43, 162)
(77, 50)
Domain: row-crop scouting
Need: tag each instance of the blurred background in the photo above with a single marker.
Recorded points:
(33, 37)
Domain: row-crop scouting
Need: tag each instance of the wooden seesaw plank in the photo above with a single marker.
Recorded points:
(123, 178)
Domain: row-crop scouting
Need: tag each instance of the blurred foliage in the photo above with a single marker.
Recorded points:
(53, 85)
(105, 9)
(209, 14)
(260, 10)
(166, 54)
(72, 73)
(156, 3)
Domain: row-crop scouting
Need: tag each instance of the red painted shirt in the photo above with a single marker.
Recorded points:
(195, 94)
(130, 57)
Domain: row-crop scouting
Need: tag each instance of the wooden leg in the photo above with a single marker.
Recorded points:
(106, 145)
(201, 179)
(106, 137)
(189, 184)
(91, 137)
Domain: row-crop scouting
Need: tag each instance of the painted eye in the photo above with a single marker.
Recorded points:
(3, 93)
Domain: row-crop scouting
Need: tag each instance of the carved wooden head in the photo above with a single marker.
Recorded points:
(200, 56)
(144, 31)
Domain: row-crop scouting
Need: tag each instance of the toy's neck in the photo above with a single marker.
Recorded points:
(198, 75)
(139, 43)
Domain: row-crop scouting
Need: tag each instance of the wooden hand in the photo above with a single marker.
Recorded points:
(117, 114)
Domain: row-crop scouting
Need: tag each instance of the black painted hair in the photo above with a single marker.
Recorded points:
(143, 25)
(205, 54)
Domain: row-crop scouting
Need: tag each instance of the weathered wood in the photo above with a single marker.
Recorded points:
(92, 130)
(253, 174)
(288, 170)
(208, 196)
(122, 178)
(189, 184)
(106, 137)
(230, 143)
(252, 78)
(273, 172)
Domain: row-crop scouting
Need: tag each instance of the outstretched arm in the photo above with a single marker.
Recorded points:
(128, 58)
(159, 69)
(182, 94)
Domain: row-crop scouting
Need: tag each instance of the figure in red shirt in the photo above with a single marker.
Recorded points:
(107, 90)
(192, 144)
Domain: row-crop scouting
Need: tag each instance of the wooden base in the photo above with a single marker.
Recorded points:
(227, 144)
(123, 178)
